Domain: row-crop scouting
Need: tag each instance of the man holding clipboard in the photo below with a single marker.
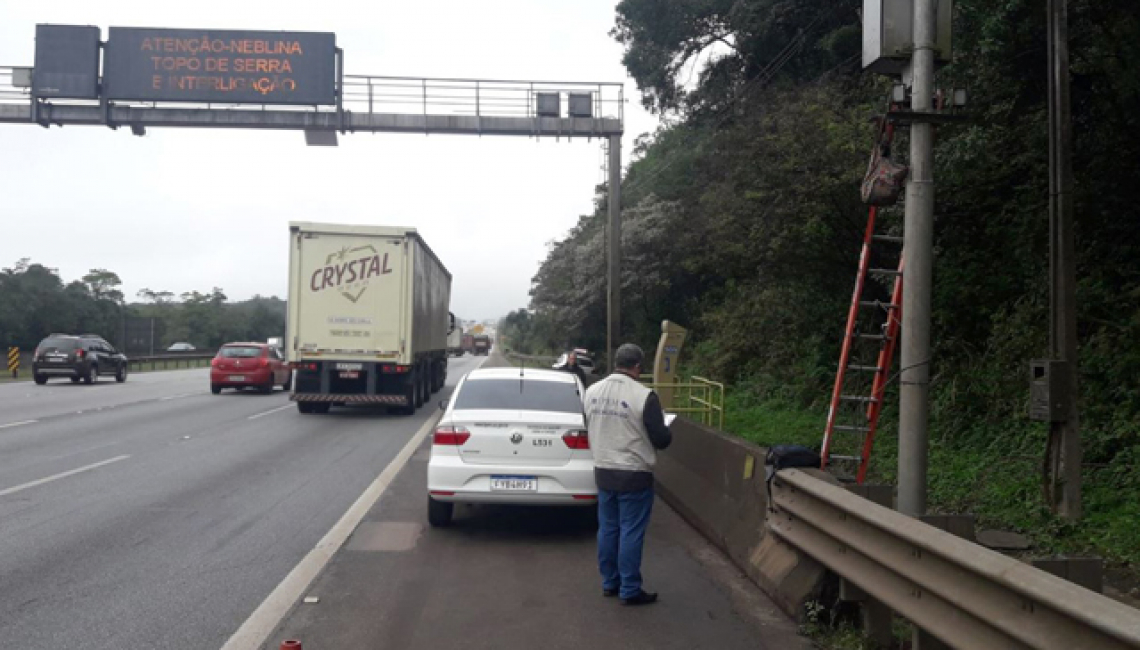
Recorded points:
(626, 427)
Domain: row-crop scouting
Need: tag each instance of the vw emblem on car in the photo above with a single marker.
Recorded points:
(516, 437)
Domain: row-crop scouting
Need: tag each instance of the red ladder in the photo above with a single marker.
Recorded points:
(870, 405)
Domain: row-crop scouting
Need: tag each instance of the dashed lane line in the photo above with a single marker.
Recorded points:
(56, 477)
(270, 412)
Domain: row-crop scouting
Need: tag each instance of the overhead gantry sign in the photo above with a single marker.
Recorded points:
(149, 77)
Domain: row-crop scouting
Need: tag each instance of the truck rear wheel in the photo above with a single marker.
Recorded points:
(304, 407)
(410, 395)
(420, 382)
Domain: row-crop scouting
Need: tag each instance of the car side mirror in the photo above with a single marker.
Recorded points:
(443, 404)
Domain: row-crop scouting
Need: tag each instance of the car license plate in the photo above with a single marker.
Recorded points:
(514, 484)
(349, 375)
(237, 377)
(350, 366)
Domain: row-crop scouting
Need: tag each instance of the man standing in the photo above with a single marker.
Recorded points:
(573, 367)
(626, 426)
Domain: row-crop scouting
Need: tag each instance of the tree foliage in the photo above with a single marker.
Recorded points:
(35, 302)
(743, 220)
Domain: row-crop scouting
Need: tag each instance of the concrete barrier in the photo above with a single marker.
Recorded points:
(716, 482)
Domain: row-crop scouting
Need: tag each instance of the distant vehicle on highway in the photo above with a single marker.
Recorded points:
(512, 438)
(249, 365)
(481, 345)
(181, 347)
(84, 357)
(469, 343)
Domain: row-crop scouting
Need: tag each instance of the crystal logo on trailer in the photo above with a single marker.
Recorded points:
(349, 271)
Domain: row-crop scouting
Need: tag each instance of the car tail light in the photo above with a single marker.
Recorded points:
(214, 362)
(80, 354)
(264, 363)
(451, 436)
(578, 439)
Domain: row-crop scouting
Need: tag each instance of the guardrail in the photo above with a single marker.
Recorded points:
(171, 361)
(961, 593)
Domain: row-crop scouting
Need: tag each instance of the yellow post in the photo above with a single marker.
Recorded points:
(14, 362)
(665, 363)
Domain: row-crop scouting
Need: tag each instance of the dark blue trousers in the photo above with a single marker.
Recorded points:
(622, 520)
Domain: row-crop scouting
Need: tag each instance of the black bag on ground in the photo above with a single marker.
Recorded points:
(783, 456)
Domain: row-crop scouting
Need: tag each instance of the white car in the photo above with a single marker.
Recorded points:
(511, 436)
(181, 347)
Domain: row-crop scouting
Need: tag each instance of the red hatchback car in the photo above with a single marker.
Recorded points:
(257, 365)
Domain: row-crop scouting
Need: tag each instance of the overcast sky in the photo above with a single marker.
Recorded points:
(181, 209)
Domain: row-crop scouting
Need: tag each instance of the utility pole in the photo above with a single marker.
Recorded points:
(918, 253)
(1063, 456)
(613, 296)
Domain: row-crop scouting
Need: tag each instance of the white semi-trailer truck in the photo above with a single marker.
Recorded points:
(368, 317)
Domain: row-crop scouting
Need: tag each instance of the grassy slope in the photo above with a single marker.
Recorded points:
(1002, 488)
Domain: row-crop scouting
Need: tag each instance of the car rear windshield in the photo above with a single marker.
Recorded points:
(241, 352)
(59, 344)
(516, 395)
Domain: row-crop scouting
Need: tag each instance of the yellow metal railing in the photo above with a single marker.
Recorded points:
(699, 398)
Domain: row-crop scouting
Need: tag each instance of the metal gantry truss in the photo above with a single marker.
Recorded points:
(365, 103)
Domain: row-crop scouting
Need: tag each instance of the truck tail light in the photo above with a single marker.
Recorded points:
(577, 439)
(396, 370)
(451, 436)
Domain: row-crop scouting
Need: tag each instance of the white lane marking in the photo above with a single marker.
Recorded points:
(280, 408)
(56, 477)
(179, 396)
(265, 619)
(17, 424)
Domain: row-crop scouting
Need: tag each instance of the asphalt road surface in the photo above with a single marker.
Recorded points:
(154, 515)
(519, 579)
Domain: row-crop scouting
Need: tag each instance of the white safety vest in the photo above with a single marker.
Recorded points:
(615, 422)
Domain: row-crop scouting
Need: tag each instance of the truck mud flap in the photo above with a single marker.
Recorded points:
(386, 400)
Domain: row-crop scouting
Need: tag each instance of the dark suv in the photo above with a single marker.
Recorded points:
(77, 357)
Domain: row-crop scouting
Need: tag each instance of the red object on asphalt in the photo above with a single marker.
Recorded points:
(255, 365)
(291, 644)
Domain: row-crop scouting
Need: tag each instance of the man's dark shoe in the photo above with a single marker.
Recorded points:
(609, 593)
(642, 598)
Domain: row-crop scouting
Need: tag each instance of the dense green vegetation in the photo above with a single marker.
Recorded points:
(743, 222)
(35, 301)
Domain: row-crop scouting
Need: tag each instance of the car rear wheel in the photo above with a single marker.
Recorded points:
(440, 512)
(121, 375)
(75, 380)
(40, 379)
(215, 389)
(288, 385)
(92, 375)
(267, 387)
